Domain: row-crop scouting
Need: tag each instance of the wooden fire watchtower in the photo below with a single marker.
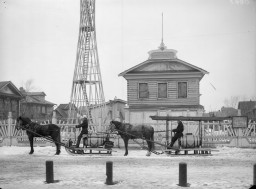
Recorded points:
(87, 90)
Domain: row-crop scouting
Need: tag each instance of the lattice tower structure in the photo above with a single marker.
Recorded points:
(87, 96)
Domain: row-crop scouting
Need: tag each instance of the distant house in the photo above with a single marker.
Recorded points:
(248, 108)
(62, 111)
(163, 85)
(114, 110)
(10, 98)
(228, 111)
(224, 112)
(34, 105)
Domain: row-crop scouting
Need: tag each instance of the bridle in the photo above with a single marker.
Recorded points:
(20, 126)
(112, 127)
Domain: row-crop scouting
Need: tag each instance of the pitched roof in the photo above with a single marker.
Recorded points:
(61, 112)
(247, 104)
(12, 87)
(170, 62)
(116, 100)
(36, 93)
(63, 106)
(3, 83)
(34, 100)
(66, 107)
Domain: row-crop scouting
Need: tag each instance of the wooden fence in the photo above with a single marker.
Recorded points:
(214, 133)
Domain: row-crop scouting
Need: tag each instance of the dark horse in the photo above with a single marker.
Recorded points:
(128, 131)
(36, 130)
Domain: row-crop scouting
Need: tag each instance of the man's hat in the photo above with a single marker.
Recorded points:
(83, 116)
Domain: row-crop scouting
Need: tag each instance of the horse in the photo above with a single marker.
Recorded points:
(36, 130)
(128, 131)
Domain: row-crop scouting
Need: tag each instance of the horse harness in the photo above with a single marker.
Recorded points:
(140, 143)
(26, 127)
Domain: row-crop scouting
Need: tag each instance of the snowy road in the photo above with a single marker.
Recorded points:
(228, 168)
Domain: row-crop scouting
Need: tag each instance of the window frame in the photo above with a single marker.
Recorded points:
(139, 92)
(166, 90)
(178, 90)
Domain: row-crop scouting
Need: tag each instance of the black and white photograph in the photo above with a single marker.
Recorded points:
(127, 94)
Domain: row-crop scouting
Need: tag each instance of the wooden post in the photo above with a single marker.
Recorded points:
(183, 175)
(10, 128)
(167, 132)
(54, 117)
(188, 129)
(254, 175)
(49, 172)
(200, 133)
(109, 173)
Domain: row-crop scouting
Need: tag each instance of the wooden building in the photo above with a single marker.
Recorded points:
(10, 98)
(34, 105)
(248, 108)
(114, 111)
(162, 85)
(62, 111)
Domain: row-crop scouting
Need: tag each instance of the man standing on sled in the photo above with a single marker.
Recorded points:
(178, 133)
(84, 130)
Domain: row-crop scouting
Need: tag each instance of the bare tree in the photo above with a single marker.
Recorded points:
(28, 85)
(232, 101)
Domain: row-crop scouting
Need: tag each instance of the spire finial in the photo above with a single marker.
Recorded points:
(162, 46)
(162, 27)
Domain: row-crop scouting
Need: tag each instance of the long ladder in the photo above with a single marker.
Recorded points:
(87, 96)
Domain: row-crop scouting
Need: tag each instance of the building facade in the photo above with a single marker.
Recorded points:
(34, 105)
(162, 85)
(10, 98)
(248, 108)
(114, 110)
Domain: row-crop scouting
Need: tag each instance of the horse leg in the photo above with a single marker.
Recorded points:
(57, 148)
(57, 143)
(31, 140)
(152, 141)
(126, 147)
(149, 148)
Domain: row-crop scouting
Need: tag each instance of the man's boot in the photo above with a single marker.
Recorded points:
(170, 146)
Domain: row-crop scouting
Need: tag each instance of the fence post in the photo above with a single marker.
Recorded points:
(54, 117)
(9, 128)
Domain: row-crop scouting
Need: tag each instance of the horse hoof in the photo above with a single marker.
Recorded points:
(125, 154)
(148, 154)
(31, 153)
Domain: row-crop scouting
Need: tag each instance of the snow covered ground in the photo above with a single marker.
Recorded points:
(227, 168)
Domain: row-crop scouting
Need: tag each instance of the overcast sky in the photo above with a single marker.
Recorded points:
(38, 40)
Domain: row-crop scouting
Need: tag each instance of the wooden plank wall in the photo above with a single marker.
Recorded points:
(192, 93)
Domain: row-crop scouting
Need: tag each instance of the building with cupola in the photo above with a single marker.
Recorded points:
(162, 85)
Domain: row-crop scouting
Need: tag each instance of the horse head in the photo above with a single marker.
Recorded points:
(22, 123)
(113, 126)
